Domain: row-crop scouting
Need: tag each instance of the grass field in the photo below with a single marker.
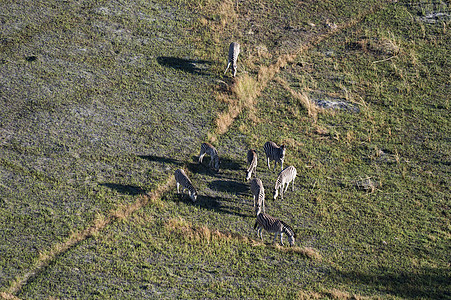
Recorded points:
(102, 100)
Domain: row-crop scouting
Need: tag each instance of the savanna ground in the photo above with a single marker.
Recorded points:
(102, 100)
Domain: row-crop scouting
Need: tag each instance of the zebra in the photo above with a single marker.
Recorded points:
(271, 224)
(252, 162)
(258, 192)
(274, 152)
(234, 50)
(285, 177)
(185, 182)
(207, 148)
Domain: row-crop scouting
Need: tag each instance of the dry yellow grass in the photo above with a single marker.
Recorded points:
(7, 296)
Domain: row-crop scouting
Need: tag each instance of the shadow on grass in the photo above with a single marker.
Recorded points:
(234, 187)
(215, 204)
(225, 164)
(125, 189)
(188, 65)
(426, 283)
(230, 164)
(161, 159)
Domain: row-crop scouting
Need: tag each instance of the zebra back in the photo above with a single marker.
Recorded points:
(286, 176)
(274, 225)
(182, 179)
(252, 163)
(234, 51)
(274, 152)
(258, 191)
(207, 148)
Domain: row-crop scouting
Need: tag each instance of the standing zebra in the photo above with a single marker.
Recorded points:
(274, 152)
(207, 148)
(234, 50)
(183, 180)
(252, 164)
(285, 177)
(271, 224)
(259, 195)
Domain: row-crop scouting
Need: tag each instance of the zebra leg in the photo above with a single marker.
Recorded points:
(281, 238)
(275, 237)
(201, 157)
(228, 65)
(178, 188)
(267, 158)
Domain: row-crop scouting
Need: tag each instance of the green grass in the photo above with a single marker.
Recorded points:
(118, 99)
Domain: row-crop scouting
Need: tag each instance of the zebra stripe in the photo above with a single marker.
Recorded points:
(207, 148)
(274, 225)
(258, 192)
(252, 164)
(185, 182)
(234, 50)
(274, 152)
(285, 177)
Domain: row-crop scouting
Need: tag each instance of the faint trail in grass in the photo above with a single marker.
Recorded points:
(245, 89)
(201, 233)
(100, 222)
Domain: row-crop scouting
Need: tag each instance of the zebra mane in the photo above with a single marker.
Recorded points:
(288, 228)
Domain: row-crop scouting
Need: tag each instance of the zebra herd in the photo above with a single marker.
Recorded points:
(273, 153)
(285, 177)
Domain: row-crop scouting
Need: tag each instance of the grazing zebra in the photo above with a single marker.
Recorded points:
(259, 195)
(271, 224)
(234, 50)
(182, 179)
(252, 162)
(207, 148)
(285, 177)
(274, 152)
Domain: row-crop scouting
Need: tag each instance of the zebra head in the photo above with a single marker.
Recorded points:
(289, 232)
(193, 195)
(276, 193)
(283, 148)
(291, 240)
(216, 163)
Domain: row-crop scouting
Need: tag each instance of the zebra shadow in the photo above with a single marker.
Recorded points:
(202, 168)
(192, 66)
(160, 159)
(230, 164)
(213, 203)
(234, 187)
(217, 204)
(125, 189)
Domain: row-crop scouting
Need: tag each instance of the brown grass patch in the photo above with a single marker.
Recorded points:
(303, 251)
(7, 296)
(200, 233)
(302, 98)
